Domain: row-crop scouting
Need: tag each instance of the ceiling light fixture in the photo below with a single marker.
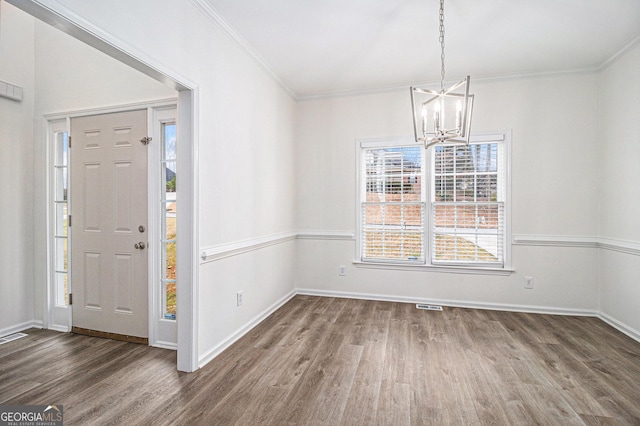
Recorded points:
(450, 108)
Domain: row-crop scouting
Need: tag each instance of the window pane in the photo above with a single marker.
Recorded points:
(60, 183)
(486, 187)
(444, 188)
(169, 145)
(170, 300)
(170, 261)
(61, 254)
(61, 219)
(169, 209)
(467, 214)
(469, 232)
(170, 176)
(61, 289)
(61, 145)
(393, 211)
(170, 220)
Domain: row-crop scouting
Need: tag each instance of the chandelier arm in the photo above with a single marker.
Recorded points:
(454, 87)
(426, 91)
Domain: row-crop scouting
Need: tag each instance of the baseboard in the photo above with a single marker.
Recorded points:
(206, 357)
(20, 327)
(452, 303)
(620, 326)
(60, 328)
(166, 345)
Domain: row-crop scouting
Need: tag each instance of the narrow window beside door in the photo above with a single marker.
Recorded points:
(169, 208)
(60, 255)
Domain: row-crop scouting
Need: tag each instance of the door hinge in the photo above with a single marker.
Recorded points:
(146, 140)
(69, 221)
(70, 298)
(69, 139)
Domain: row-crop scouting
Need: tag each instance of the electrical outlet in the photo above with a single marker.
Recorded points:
(528, 282)
(239, 298)
(342, 270)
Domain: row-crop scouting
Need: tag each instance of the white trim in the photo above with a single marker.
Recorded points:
(451, 303)
(210, 12)
(20, 327)
(162, 332)
(622, 246)
(620, 326)
(165, 345)
(222, 251)
(133, 106)
(58, 328)
(489, 78)
(326, 235)
(473, 269)
(555, 240)
(620, 52)
(218, 349)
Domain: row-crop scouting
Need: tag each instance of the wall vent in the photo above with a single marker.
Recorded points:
(428, 307)
(11, 337)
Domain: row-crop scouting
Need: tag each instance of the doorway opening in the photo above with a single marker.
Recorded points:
(58, 16)
(157, 230)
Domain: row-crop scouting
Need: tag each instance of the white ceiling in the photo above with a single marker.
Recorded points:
(320, 47)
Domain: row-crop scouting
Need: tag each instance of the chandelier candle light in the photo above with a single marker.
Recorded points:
(433, 111)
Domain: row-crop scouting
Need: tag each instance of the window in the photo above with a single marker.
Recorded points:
(393, 204)
(60, 218)
(169, 208)
(466, 189)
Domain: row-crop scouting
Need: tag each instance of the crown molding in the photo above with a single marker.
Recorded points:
(620, 52)
(211, 13)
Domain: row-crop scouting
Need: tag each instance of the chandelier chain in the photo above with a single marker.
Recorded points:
(442, 45)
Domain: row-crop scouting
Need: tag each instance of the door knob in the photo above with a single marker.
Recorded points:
(140, 245)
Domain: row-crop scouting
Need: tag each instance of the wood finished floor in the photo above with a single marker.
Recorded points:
(339, 361)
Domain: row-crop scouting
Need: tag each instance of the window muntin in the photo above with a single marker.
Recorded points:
(169, 209)
(393, 207)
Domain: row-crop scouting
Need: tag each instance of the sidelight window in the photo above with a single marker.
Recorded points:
(169, 209)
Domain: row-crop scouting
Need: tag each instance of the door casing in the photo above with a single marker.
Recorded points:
(161, 332)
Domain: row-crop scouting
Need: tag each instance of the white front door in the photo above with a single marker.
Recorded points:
(109, 223)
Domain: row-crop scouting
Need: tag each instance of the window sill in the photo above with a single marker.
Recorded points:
(450, 269)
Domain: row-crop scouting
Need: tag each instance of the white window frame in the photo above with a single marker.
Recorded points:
(361, 182)
(504, 138)
(58, 315)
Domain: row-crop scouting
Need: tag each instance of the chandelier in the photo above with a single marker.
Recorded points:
(443, 116)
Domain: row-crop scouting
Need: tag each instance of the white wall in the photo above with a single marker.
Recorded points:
(620, 189)
(16, 169)
(246, 152)
(554, 187)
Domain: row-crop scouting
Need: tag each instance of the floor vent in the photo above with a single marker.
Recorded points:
(12, 337)
(428, 307)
